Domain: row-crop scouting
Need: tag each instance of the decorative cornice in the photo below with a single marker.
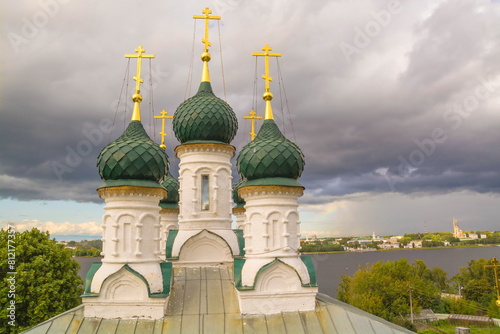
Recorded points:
(238, 211)
(131, 190)
(169, 211)
(205, 147)
(264, 190)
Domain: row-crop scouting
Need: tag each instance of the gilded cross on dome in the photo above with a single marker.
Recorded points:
(267, 96)
(266, 54)
(139, 57)
(206, 17)
(205, 56)
(162, 133)
(253, 118)
(137, 97)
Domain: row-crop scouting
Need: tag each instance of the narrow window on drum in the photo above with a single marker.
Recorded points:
(205, 195)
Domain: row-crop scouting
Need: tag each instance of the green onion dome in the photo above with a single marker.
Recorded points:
(270, 155)
(172, 186)
(133, 156)
(205, 117)
(240, 202)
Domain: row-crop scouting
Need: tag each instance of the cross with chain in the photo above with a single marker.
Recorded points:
(162, 133)
(139, 57)
(206, 17)
(253, 118)
(266, 54)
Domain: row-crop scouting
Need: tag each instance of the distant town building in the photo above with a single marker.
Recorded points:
(389, 245)
(457, 232)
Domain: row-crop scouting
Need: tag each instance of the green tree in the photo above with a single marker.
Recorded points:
(478, 284)
(440, 279)
(459, 306)
(414, 236)
(432, 243)
(88, 244)
(46, 279)
(383, 288)
(405, 240)
(493, 309)
(477, 289)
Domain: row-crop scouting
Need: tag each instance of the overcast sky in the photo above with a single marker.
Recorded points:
(396, 105)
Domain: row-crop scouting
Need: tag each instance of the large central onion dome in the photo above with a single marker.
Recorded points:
(133, 156)
(270, 155)
(205, 117)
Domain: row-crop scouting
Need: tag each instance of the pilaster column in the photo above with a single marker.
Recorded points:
(131, 224)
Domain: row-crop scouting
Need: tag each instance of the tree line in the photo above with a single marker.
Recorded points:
(85, 247)
(437, 239)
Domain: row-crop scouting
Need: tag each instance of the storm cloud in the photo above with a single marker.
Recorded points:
(382, 97)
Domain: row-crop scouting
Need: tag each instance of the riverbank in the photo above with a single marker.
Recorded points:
(401, 249)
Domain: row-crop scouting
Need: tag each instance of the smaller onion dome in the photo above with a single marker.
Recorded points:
(270, 155)
(172, 186)
(205, 117)
(240, 202)
(133, 156)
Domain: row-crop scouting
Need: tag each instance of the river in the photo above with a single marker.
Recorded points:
(331, 267)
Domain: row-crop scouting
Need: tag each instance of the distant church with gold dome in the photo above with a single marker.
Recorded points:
(172, 263)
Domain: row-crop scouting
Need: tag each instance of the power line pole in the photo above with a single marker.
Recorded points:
(411, 305)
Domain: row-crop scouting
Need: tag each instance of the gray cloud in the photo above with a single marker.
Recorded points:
(357, 122)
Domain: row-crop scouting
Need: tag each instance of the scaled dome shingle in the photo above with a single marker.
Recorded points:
(133, 156)
(240, 202)
(270, 155)
(205, 117)
(172, 186)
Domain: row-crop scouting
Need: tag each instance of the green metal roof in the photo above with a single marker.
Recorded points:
(204, 300)
(131, 182)
(272, 181)
(172, 186)
(172, 234)
(169, 205)
(133, 156)
(269, 155)
(205, 117)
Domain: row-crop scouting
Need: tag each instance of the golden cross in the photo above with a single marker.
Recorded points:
(253, 118)
(139, 57)
(162, 133)
(206, 17)
(495, 265)
(266, 54)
